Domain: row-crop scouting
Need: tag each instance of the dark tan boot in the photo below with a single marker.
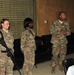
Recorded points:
(61, 67)
(53, 70)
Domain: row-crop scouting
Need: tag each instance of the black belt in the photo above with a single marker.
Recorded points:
(3, 51)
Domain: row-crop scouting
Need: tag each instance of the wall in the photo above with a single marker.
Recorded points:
(47, 11)
(40, 10)
(16, 11)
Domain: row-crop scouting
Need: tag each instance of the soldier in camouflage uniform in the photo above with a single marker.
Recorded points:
(6, 64)
(28, 46)
(59, 30)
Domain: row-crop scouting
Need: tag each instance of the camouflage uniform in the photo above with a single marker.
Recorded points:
(59, 41)
(6, 64)
(28, 47)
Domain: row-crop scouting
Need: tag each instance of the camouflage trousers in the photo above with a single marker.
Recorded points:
(59, 53)
(6, 65)
(29, 60)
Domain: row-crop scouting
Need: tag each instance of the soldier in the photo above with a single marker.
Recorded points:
(28, 46)
(59, 30)
(6, 64)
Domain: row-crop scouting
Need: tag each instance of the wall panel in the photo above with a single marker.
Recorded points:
(16, 11)
(47, 10)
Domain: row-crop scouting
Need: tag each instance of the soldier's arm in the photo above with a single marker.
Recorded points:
(23, 40)
(12, 45)
(51, 29)
(68, 31)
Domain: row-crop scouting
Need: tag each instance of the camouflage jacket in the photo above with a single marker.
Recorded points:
(55, 31)
(8, 38)
(28, 40)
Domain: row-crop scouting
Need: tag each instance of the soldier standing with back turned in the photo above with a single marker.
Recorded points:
(6, 64)
(28, 46)
(59, 30)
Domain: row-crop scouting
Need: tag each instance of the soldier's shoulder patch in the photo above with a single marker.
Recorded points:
(23, 38)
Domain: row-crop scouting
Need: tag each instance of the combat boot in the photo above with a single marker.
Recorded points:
(61, 68)
(53, 70)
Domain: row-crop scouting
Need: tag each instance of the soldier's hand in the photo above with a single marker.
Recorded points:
(63, 33)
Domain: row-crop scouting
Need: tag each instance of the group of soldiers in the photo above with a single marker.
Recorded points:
(28, 47)
(59, 30)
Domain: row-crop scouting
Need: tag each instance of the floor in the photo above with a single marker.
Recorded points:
(45, 68)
